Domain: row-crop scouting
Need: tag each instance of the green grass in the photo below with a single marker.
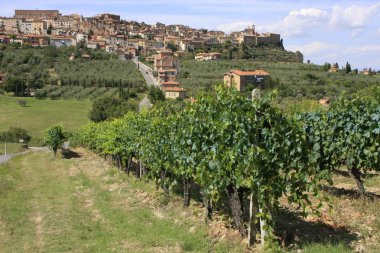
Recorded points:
(12, 148)
(84, 205)
(40, 114)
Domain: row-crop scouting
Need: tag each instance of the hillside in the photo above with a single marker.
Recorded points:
(294, 80)
(68, 72)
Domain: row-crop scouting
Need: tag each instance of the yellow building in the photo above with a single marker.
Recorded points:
(334, 68)
(241, 78)
(174, 92)
(39, 27)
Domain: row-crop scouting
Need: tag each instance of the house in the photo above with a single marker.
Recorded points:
(60, 40)
(167, 75)
(169, 84)
(334, 68)
(110, 48)
(5, 39)
(39, 27)
(174, 92)
(26, 27)
(35, 40)
(164, 61)
(208, 56)
(241, 78)
(92, 45)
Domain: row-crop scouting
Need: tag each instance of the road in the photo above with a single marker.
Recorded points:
(147, 73)
(4, 158)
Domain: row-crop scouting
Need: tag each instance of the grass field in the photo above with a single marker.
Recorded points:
(40, 114)
(81, 204)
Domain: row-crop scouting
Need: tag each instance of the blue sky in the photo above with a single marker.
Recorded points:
(325, 31)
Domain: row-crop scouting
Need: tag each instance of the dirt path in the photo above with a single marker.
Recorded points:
(82, 204)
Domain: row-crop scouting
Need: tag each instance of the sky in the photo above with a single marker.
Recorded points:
(323, 30)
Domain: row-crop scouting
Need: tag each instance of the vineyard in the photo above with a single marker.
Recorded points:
(292, 80)
(49, 72)
(242, 154)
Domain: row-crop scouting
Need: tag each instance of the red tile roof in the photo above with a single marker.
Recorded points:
(170, 83)
(173, 89)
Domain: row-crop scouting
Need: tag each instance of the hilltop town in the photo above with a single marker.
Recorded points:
(111, 33)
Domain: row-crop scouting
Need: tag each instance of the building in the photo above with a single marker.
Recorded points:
(35, 40)
(36, 14)
(172, 90)
(167, 75)
(241, 78)
(12, 25)
(164, 61)
(334, 68)
(26, 27)
(5, 39)
(63, 41)
(208, 56)
(39, 27)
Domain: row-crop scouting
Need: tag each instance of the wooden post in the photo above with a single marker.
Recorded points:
(262, 230)
(256, 95)
(252, 222)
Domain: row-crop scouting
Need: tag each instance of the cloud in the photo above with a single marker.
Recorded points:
(315, 48)
(353, 16)
(363, 49)
(360, 56)
(234, 26)
(297, 23)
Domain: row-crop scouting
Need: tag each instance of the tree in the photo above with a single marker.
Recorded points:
(15, 134)
(49, 29)
(55, 137)
(155, 94)
(172, 46)
(327, 66)
(348, 68)
(311, 77)
(16, 85)
(107, 107)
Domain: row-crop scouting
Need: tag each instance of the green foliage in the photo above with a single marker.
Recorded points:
(14, 134)
(16, 85)
(225, 143)
(107, 107)
(172, 46)
(347, 134)
(289, 78)
(32, 69)
(55, 137)
(155, 94)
